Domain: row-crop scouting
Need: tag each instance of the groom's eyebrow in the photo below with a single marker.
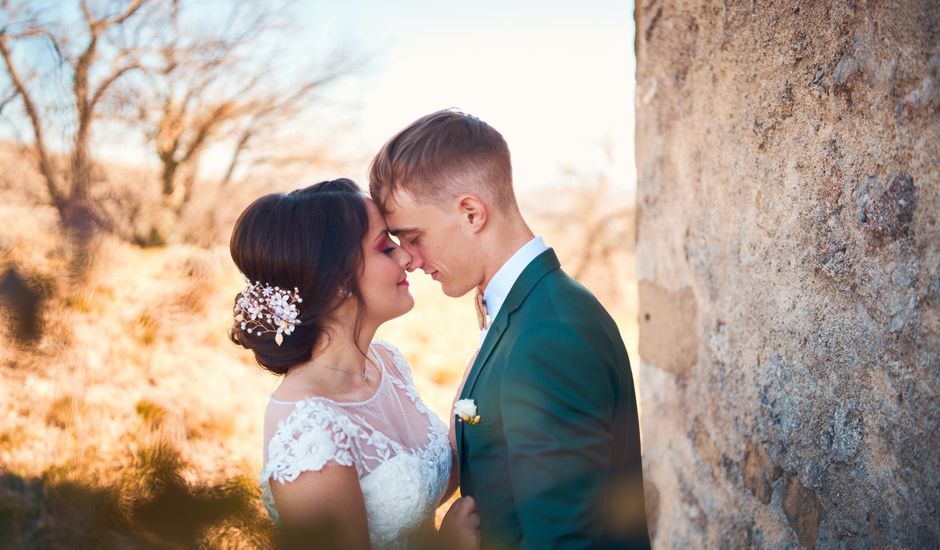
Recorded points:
(404, 230)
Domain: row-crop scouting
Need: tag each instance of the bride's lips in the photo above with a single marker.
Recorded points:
(403, 282)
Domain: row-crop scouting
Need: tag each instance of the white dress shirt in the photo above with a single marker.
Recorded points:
(499, 286)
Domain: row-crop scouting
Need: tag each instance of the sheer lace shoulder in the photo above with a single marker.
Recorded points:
(397, 359)
(403, 380)
(313, 435)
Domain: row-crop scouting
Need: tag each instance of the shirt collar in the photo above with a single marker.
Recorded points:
(499, 286)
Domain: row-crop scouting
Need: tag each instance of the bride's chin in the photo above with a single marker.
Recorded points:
(406, 308)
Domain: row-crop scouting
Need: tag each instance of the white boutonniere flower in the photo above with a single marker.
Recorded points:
(466, 411)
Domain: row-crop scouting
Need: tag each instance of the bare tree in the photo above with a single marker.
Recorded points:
(595, 222)
(186, 78)
(606, 231)
(219, 86)
(77, 50)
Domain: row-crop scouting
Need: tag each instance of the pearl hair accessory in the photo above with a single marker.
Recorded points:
(263, 309)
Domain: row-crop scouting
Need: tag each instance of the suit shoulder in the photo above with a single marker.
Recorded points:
(570, 313)
(560, 297)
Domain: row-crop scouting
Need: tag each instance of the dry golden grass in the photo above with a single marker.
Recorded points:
(132, 421)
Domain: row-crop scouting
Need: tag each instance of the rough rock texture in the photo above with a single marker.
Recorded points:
(788, 258)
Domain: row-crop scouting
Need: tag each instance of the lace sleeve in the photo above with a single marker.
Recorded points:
(314, 435)
(398, 359)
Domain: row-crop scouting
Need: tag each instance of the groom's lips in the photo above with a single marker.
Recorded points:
(433, 275)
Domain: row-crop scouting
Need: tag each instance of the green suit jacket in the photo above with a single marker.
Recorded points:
(554, 461)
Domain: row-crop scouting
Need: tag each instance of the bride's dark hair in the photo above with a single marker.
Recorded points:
(310, 239)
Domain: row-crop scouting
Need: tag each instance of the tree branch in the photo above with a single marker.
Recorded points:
(7, 100)
(112, 78)
(240, 146)
(86, 13)
(96, 26)
(204, 130)
(129, 12)
(45, 166)
(42, 32)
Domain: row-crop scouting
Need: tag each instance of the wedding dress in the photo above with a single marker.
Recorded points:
(398, 446)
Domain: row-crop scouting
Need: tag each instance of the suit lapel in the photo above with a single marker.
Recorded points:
(542, 265)
(489, 343)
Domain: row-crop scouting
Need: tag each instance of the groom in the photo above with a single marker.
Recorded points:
(553, 459)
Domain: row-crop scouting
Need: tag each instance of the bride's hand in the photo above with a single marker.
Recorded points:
(460, 528)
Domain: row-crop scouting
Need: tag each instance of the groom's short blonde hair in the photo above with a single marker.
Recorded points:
(442, 155)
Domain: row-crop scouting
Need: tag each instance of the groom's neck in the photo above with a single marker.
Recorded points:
(505, 239)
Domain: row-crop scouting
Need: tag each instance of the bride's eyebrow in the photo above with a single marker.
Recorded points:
(405, 230)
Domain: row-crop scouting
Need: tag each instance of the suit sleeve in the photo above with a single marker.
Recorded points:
(557, 406)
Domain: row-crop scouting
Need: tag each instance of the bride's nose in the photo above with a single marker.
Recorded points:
(404, 258)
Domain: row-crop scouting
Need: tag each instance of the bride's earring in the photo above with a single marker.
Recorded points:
(343, 293)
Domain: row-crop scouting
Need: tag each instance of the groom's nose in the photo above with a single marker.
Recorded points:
(416, 262)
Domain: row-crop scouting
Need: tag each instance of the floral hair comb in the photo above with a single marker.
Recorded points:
(263, 309)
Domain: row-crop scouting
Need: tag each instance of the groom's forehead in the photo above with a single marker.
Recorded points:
(402, 214)
(399, 201)
(399, 222)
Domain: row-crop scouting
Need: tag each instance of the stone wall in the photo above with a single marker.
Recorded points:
(788, 257)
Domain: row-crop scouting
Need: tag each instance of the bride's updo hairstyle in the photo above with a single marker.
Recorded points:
(309, 239)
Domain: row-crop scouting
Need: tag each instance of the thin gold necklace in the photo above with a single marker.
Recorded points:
(364, 375)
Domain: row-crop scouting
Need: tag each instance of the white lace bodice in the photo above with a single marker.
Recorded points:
(398, 446)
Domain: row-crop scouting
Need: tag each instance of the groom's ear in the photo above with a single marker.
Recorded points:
(473, 210)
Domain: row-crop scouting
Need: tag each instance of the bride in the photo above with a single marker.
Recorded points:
(352, 458)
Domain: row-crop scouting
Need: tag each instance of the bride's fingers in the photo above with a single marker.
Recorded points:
(477, 539)
(474, 520)
(467, 505)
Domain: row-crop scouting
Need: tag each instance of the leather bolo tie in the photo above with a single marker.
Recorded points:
(481, 309)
